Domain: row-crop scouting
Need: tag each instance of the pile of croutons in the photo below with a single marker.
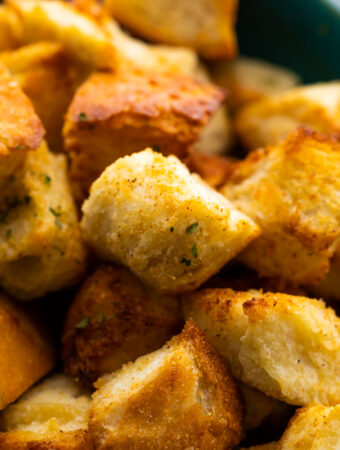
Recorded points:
(158, 290)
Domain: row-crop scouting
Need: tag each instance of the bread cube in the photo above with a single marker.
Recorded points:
(52, 415)
(286, 346)
(171, 229)
(180, 396)
(10, 29)
(214, 170)
(329, 288)
(288, 191)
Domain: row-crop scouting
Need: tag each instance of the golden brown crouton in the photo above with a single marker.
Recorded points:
(116, 114)
(269, 120)
(20, 127)
(257, 406)
(40, 244)
(205, 25)
(52, 415)
(178, 397)
(313, 428)
(288, 191)
(25, 353)
(329, 288)
(113, 320)
(10, 30)
(169, 227)
(286, 346)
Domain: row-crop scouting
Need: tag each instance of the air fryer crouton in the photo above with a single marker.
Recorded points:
(288, 191)
(180, 396)
(115, 114)
(214, 170)
(269, 120)
(169, 227)
(113, 320)
(25, 353)
(52, 415)
(329, 288)
(286, 346)
(313, 428)
(205, 25)
(40, 244)
(10, 30)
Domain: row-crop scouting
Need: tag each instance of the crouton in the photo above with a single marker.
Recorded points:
(170, 228)
(249, 79)
(115, 114)
(20, 128)
(329, 288)
(313, 428)
(257, 406)
(270, 120)
(10, 30)
(205, 25)
(58, 21)
(52, 415)
(49, 78)
(40, 244)
(180, 396)
(114, 319)
(288, 191)
(286, 346)
(25, 352)
(214, 170)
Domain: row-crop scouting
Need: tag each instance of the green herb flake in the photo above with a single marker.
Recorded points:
(58, 223)
(156, 148)
(20, 147)
(9, 233)
(109, 317)
(172, 229)
(192, 228)
(54, 212)
(47, 179)
(58, 249)
(82, 323)
(185, 261)
(101, 318)
(82, 116)
(194, 250)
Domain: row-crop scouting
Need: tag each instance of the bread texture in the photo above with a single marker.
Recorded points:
(113, 320)
(40, 244)
(285, 346)
(52, 415)
(180, 396)
(25, 352)
(171, 229)
(286, 189)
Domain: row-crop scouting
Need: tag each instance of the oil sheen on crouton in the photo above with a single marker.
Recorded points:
(286, 346)
(25, 352)
(115, 114)
(49, 78)
(205, 25)
(52, 415)
(313, 428)
(269, 120)
(114, 319)
(40, 244)
(180, 396)
(20, 127)
(288, 191)
(171, 229)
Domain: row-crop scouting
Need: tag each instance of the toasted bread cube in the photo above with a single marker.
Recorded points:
(249, 79)
(116, 114)
(329, 288)
(25, 352)
(113, 320)
(313, 428)
(214, 170)
(180, 396)
(53, 20)
(169, 227)
(286, 346)
(20, 128)
(288, 191)
(52, 415)
(205, 25)
(257, 406)
(10, 29)
(270, 120)
(40, 243)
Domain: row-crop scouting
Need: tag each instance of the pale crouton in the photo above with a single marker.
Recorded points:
(49, 78)
(169, 227)
(20, 127)
(178, 397)
(116, 114)
(313, 428)
(114, 319)
(205, 25)
(10, 29)
(52, 415)
(269, 120)
(25, 352)
(40, 244)
(59, 21)
(288, 191)
(286, 346)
